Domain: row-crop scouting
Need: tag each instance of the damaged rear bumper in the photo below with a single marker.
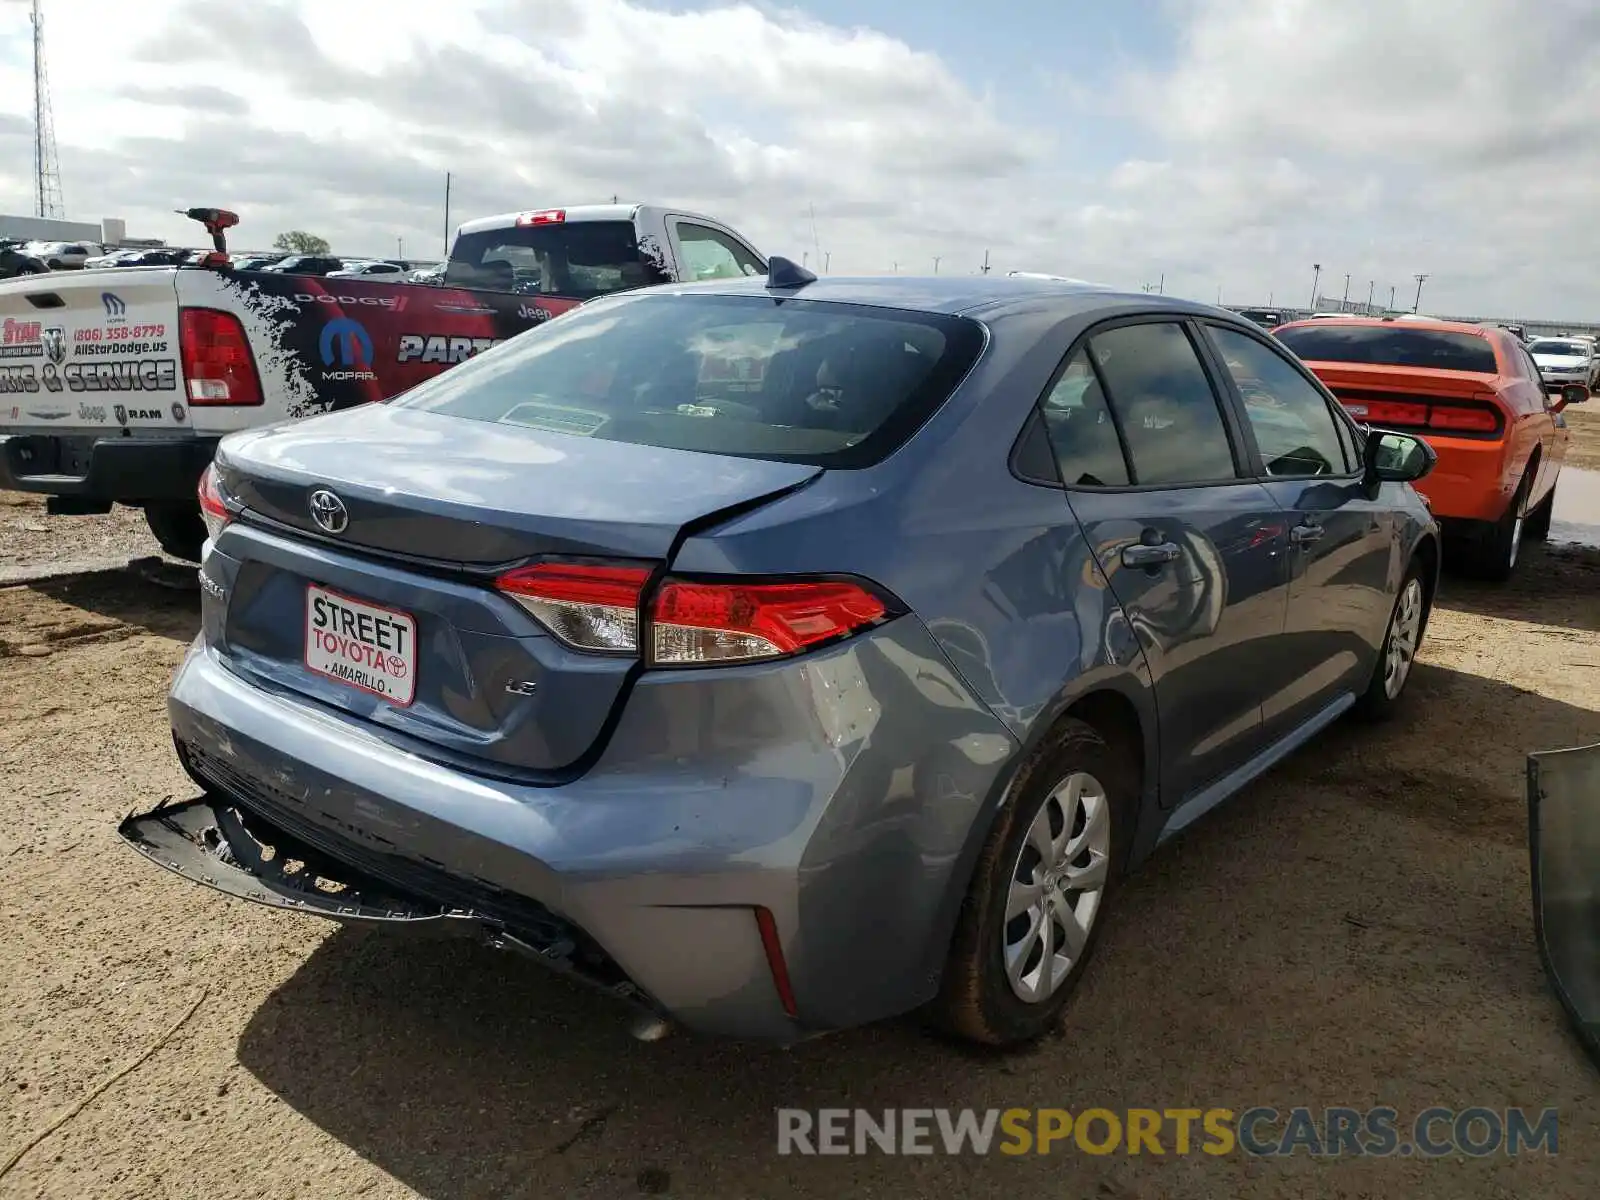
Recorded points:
(1564, 847)
(213, 842)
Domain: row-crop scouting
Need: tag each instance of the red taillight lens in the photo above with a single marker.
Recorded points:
(548, 216)
(733, 622)
(1381, 412)
(589, 607)
(217, 362)
(1475, 418)
(213, 509)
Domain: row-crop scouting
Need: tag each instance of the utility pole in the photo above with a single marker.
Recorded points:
(897, 267)
(827, 260)
(447, 214)
(1371, 283)
(1344, 305)
(805, 258)
(1161, 288)
(936, 259)
(399, 247)
(1391, 297)
(1219, 295)
(816, 244)
(985, 270)
(1421, 279)
(1316, 274)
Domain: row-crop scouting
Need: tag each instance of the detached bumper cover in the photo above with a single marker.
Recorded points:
(125, 470)
(1564, 846)
(210, 841)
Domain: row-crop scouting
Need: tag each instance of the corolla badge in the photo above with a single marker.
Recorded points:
(328, 511)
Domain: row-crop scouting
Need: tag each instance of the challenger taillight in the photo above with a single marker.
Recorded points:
(213, 508)
(604, 608)
(218, 365)
(1464, 418)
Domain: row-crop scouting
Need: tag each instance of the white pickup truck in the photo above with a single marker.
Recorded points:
(116, 384)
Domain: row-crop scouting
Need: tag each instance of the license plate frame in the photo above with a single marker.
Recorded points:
(373, 651)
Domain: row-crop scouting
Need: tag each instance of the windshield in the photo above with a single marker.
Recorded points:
(1391, 346)
(834, 385)
(582, 260)
(1564, 349)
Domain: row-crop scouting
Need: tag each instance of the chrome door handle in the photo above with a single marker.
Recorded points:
(1300, 535)
(1149, 556)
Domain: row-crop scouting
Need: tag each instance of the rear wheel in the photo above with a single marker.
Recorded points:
(178, 528)
(1035, 907)
(1537, 526)
(1494, 553)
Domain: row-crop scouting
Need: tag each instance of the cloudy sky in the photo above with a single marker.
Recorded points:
(1221, 144)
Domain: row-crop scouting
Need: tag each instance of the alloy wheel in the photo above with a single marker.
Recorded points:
(1056, 887)
(1405, 632)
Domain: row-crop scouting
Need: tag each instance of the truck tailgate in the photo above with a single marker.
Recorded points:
(91, 352)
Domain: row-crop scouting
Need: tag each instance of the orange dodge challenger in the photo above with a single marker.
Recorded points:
(1474, 393)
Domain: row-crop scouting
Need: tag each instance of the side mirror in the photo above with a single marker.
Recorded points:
(1572, 393)
(1397, 457)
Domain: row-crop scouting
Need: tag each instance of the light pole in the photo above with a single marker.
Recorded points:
(827, 258)
(1371, 283)
(1420, 280)
(1316, 274)
(1391, 297)
(1344, 305)
(936, 259)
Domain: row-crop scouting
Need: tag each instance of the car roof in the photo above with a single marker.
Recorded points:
(983, 296)
(1411, 323)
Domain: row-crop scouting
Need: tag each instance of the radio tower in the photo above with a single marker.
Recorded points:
(46, 166)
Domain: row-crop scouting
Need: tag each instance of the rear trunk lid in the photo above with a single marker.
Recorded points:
(91, 352)
(394, 618)
(1413, 397)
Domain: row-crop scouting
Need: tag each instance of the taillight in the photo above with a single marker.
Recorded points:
(217, 362)
(597, 607)
(1388, 412)
(725, 622)
(213, 508)
(1465, 418)
(589, 607)
(547, 216)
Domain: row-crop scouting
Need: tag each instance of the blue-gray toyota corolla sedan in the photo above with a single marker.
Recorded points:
(781, 654)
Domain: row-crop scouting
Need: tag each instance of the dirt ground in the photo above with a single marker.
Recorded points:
(1354, 929)
(1584, 449)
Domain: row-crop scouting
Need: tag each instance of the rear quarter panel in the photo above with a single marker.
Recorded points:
(86, 350)
(324, 344)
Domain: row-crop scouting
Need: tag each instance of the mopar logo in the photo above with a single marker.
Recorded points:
(345, 343)
(114, 305)
(55, 344)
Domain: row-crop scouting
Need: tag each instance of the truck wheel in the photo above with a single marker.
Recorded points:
(178, 528)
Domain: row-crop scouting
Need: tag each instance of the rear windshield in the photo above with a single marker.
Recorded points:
(582, 260)
(834, 385)
(1559, 348)
(1392, 346)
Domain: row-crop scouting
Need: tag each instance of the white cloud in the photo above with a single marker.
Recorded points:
(1377, 138)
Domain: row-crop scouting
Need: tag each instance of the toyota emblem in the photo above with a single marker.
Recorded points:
(328, 511)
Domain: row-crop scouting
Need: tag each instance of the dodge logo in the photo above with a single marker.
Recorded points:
(328, 511)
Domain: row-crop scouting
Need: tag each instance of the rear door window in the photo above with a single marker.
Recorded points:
(711, 254)
(796, 380)
(1081, 430)
(1164, 403)
(578, 260)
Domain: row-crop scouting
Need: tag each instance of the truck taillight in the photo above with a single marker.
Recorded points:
(548, 216)
(217, 361)
(597, 607)
(213, 508)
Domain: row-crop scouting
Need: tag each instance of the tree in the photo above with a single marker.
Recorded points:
(298, 241)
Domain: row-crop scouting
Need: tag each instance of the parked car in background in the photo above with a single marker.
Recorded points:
(110, 258)
(427, 275)
(368, 270)
(257, 262)
(63, 256)
(1475, 393)
(1593, 343)
(1563, 360)
(862, 634)
(195, 352)
(1267, 318)
(15, 260)
(305, 264)
(155, 256)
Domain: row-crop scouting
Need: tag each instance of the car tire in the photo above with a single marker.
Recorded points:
(1536, 527)
(1402, 640)
(1073, 776)
(178, 528)
(1494, 554)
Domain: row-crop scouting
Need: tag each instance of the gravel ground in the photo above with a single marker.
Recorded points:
(1354, 929)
